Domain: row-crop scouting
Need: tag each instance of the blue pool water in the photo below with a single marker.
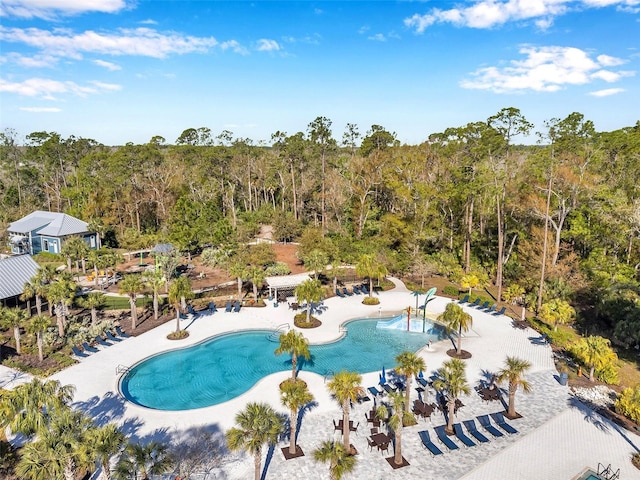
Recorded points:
(223, 367)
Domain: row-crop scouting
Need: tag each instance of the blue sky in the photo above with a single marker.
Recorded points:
(124, 71)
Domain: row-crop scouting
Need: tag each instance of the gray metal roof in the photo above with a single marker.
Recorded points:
(55, 224)
(14, 273)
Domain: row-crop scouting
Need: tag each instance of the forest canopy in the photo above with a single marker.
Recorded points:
(470, 200)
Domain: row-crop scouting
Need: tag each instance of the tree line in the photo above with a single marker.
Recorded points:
(558, 220)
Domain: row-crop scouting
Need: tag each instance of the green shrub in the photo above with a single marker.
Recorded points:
(278, 268)
(371, 301)
(628, 403)
(608, 374)
(451, 291)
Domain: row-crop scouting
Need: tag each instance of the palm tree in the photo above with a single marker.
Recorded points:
(150, 459)
(297, 345)
(309, 291)
(595, 352)
(26, 408)
(410, 365)
(258, 424)
(452, 382)
(34, 288)
(131, 285)
(37, 326)
(345, 386)
(294, 395)
(257, 275)
(238, 268)
(397, 416)
(368, 266)
(512, 372)
(13, 318)
(317, 261)
(106, 442)
(93, 301)
(557, 312)
(99, 261)
(179, 291)
(340, 459)
(44, 276)
(456, 319)
(61, 450)
(155, 280)
(60, 294)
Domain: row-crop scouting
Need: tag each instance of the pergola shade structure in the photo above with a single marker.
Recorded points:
(281, 287)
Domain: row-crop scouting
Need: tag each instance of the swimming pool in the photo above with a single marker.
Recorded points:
(225, 366)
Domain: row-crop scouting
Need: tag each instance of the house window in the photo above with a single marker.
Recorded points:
(45, 245)
(92, 241)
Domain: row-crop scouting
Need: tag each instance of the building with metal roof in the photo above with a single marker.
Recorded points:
(46, 232)
(284, 285)
(15, 271)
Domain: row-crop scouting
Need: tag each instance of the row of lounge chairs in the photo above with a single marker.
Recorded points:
(460, 434)
(357, 290)
(233, 306)
(110, 340)
(487, 306)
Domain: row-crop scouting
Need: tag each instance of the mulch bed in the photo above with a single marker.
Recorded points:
(288, 455)
(453, 353)
(392, 462)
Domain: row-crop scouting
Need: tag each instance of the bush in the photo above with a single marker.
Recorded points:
(608, 374)
(635, 459)
(451, 291)
(371, 301)
(276, 269)
(628, 403)
(179, 335)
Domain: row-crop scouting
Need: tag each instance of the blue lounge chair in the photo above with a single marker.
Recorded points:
(339, 293)
(346, 292)
(89, 348)
(375, 392)
(457, 428)
(364, 289)
(388, 388)
(356, 290)
(110, 337)
(446, 441)
(121, 333)
(501, 312)
(422, 382)
(78, 353)
(492, 308)
(486, 423)
(102, 342)
(476, 303)
(465, 299)
(237, 306)
(428, 444)
(228, 307)
(191, 310)
(485, 305)
(473, 430)
(499, 419)
(212, 307)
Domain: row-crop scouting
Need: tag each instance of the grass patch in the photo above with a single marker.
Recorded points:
(122, 303)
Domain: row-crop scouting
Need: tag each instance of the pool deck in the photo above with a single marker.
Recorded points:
(558, 436)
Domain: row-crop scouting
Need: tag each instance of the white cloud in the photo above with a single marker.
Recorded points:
(266, 45)
(234, 46)
(48, 89)
(606, 92)
(148, 21)
(110, 87)
(378, 37)
(36, 61)
(48, 9)
(108, 65)
(492, 13)
(41, 109)
(545, 69)
(140, 41)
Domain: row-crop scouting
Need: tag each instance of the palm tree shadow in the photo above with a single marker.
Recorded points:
(270, 451)
(103, 410)
(303, 411)
(599, 422)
